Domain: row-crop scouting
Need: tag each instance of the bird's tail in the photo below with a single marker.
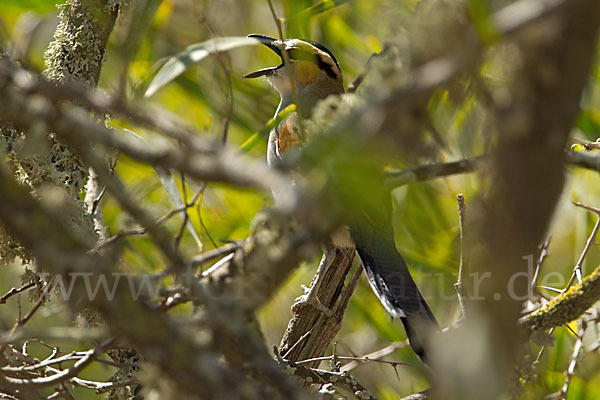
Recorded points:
(392, 283)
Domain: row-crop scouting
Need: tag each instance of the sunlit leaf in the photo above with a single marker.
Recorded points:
(176, 65)
(272, 123)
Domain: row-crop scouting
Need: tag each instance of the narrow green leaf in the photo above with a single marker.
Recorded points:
(256, 137)
(320, 7)
(176, 65)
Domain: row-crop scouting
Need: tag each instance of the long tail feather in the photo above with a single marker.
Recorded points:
(391, 281)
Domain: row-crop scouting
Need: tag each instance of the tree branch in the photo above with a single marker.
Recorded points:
(343, 381)
(62, 376)
(566, 307)
(194, 367)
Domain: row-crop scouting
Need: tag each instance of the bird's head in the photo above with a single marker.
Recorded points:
(315, 71)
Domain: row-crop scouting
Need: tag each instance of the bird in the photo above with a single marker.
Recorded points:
(309, 73)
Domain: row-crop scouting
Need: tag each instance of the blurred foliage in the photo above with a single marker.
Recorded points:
(425, 214)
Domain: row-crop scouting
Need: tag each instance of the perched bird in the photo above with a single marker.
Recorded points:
(307, 74)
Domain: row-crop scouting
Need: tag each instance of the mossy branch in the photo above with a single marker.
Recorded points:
(566, 307)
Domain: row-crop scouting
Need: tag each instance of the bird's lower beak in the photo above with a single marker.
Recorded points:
(261, 72)
(270, 43)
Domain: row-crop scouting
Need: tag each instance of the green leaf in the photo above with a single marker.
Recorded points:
(318, 8)
(256, 137)
(177, 65)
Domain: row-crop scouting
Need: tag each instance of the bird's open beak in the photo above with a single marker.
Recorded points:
(270, 43)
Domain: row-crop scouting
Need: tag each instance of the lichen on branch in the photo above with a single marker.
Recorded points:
(566, 307)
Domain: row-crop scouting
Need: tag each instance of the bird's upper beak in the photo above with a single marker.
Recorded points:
(270, 42)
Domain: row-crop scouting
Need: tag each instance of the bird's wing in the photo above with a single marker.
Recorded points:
(392, 283)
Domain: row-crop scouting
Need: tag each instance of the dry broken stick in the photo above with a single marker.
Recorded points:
(323, 323)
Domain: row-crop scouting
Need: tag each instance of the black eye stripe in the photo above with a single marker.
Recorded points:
(326, 50)
(327, 67)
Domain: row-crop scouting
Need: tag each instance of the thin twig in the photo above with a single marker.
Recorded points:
(550, 288)
(585, 206)
(363, 359)
(460, 290)
(99, 387)
(37, 305)
(22, 321)
(341, 380)
(543, 253)
(276, 18)
(395, 177)
(212, 254)
(186, 222)
(98, 199)
(399, 177)
(119, 235)
(62, 376)
(297, 343)
(199, 211)
(573, 363)
(43, 364)
(375, 355)
(14, 291)
(186, 217)
(353, 86)
(539, 356)
(591, 240)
